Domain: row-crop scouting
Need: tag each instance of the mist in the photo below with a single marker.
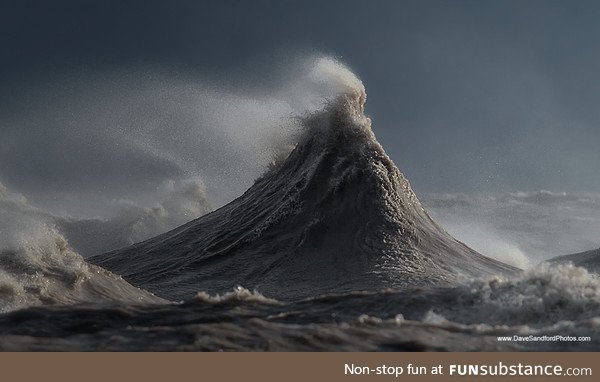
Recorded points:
(520, 228)
(116, 157)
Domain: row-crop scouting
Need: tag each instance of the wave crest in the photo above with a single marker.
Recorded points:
(239, 294)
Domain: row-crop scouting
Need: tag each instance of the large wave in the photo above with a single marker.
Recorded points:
(336, 215)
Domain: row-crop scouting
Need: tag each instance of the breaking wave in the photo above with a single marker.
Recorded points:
(37, 266)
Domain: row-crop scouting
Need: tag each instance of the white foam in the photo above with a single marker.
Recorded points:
(238, 294)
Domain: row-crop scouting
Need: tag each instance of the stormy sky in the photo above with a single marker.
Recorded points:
(464, 95)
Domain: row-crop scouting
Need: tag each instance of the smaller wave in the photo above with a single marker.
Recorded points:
(546, 294)
(38, 267)
(239, 294)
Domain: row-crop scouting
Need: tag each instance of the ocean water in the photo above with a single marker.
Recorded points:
(553, 301)
(330, 249)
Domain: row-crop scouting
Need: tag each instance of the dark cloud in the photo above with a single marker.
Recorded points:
(465, 95)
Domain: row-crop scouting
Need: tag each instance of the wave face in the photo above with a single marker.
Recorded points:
(336, 215)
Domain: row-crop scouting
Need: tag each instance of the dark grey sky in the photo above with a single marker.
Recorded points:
(464, 95)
